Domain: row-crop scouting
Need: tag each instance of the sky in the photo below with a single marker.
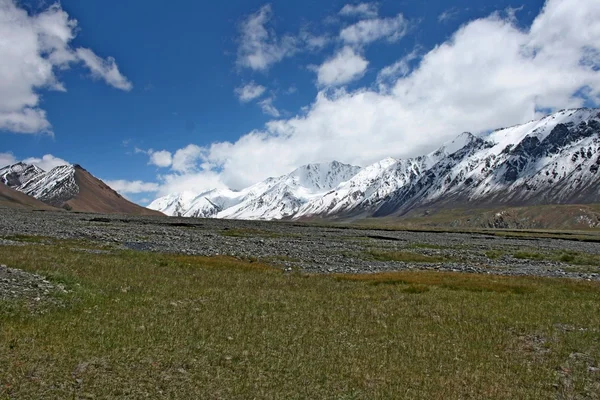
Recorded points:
(168, 97)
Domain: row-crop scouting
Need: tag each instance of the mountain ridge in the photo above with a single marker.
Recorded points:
(553, 160)
(68, 187)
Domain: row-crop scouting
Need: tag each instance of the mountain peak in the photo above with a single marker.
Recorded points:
(459, 142)
(18, 174)
(555, 159)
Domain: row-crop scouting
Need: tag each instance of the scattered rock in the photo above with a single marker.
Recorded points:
(33, 289)
(306, 248)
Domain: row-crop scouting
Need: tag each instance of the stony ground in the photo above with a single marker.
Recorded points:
(310, 248)
(33, 289)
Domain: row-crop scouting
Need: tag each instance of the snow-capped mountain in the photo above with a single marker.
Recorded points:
(376, 182)
(553, 160)
(274, 198)
(54, 187)
(18, 174)
(69, 187)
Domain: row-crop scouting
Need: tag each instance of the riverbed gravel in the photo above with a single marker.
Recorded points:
(298, 246)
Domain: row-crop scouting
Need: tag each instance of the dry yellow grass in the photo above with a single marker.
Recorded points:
(141, 325)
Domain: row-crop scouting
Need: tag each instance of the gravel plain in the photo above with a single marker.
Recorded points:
(304, 247)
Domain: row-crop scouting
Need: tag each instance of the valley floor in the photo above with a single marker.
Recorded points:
(322, 248)
(141, 307)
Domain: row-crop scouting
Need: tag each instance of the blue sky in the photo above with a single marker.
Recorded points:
(158, 97)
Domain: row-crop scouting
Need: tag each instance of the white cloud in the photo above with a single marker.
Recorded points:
(162, 159)
(366, 10)
(198, 182)
(7, 159)
(489, 74)
(342, 68)
(32, 48)
(132, 187)
(370, 30)
(268, 107)
(259, 45)
(312, 41)
(104, 69)
(185, 160)
(448, 15)
(399, 69)
(249, 92)
(47, 162)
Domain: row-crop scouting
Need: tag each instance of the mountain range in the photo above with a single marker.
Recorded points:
(554, 160)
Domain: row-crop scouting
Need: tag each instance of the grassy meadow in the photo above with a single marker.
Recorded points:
(141, 325)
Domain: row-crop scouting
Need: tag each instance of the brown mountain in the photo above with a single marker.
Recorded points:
(12, 198)
(95, 196)
(73, 188)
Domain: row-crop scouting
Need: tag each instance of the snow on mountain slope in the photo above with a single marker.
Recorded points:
(547, 161)
(18, 174)
(273, 198)
(54, 187)
(175, 204)
(552, 160)
(376, 182)
(285, 195)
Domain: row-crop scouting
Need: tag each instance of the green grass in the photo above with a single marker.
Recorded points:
(529, 255)
(404, 256)
(569, 257)
(427, 246)
(64, 243)
(142, 325)
(494, 254)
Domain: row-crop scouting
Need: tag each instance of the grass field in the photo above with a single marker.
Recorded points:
(140, 325)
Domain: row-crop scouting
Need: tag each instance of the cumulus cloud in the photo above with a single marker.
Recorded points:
(366, 10)
(162, 159)
(342, 68)
(47, 162)
(399, 69)
(7, 159)
(314, 42)
(268, 107)
(260, 47)
(370, 30)
(249, 92)
(201, 181)
(32, 48)
(104, 69)
(132, 187)
(185, 160)
(490, 73)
